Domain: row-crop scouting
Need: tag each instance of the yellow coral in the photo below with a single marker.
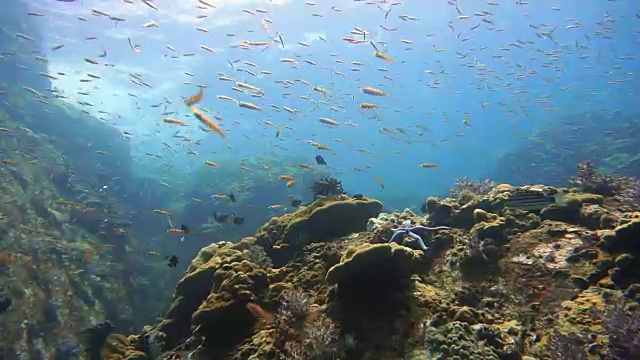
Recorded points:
(358, 260)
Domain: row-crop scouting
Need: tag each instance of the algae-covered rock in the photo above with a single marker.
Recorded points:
(324, 219)
(627, 237)
(624, 242)
(440, 211)
(359, 262)
(373, 289)
(582, 314)
(504, 188)
(115, 347)
(260, 346)
(450, 212)
(480, 215)
(194, 288)
(223, 318)
(568, 211)
(333, 220)
(212, 297)
(459, 340)
(371, 264)
(307, 273)
(488, 226)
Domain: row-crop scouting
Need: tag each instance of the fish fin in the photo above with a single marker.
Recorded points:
(559, 198)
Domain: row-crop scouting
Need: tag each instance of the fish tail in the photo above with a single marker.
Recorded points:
(559, 198)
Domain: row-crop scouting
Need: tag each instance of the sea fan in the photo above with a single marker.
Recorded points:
(327, 186)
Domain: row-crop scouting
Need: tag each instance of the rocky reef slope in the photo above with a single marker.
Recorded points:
(65, 250)
(63, 241)
(65, 257)
(494, 282)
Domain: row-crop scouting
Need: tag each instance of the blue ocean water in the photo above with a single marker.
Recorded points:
(115, 173)
(471, 79)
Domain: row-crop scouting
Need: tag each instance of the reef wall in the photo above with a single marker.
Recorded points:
(551, 155)
(67, 258)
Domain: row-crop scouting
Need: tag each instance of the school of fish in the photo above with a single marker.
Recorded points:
(257, 87)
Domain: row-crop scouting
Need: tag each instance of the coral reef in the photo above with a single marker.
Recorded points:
(498, 283)
(609, 141)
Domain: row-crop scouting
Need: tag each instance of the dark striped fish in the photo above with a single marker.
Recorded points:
(530, 200)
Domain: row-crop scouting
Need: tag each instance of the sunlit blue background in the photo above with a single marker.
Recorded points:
(502, 78)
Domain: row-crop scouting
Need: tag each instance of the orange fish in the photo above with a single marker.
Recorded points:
(184, 230)
(290, 183)
(211, 163)
(368, 106)
(7, 259)
(194, 99)
(69, 203)
(373, 91)
(208, 122)
(87, 256)
(306, 166)
(382, 56)
(260, 313)
(287, 177)
(174, 121)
